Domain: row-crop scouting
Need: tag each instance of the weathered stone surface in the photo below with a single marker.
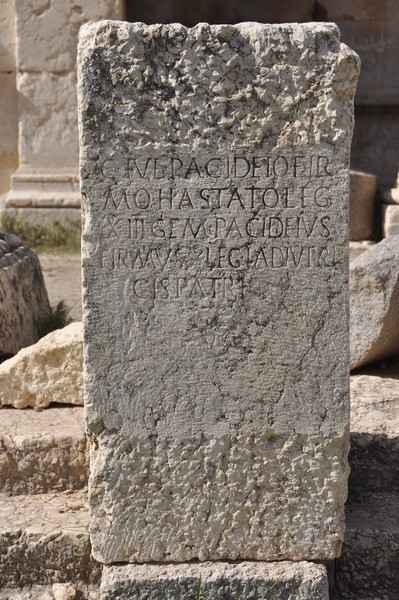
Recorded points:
(232, 581)
(44, 540)
(374, 304)
(42, 451)
(45, 373)
(363, 187)
(23, 297)
(390, 219)
(355, 250)
(214, 304)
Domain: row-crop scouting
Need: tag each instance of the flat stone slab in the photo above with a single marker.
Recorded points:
(51, 592)
(42, 451)
(224, 581)
(44, 540)
(214, 165)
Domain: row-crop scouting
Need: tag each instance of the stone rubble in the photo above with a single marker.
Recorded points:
(45, 373)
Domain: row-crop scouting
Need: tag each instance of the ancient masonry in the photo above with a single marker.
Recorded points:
(214, 173)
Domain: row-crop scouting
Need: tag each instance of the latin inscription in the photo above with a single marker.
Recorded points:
(198, 226)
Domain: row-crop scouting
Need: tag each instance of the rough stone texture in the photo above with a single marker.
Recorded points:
(374, 304)
(390, 219)
(44, 540)
(216, 325)
(355, 250)
(47, 116)
(374, 455)
(227, 581)
(42, 451)
(361, 206)
(45, 373)
(23, 297)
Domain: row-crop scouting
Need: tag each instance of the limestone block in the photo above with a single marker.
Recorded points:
(23, 297)
(42, 451)
(45, 373)
(374, 304)
(48, 31)
(46, 592)
(374, 455)
(9, 129)
(363, 187)
(44, 540)
(390, 219)
(214, 169)
(237, 581)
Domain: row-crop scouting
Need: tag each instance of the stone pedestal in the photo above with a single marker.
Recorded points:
(215, 180)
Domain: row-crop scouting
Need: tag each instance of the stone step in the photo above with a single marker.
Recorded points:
(42, 451)
(374, 455)
(368, 568)
(44, 540)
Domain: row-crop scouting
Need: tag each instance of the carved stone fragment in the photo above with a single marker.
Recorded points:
(214, 166)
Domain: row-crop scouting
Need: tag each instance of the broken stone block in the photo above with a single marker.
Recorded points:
(374, 303)
(23, 296)
(48, 372)
(235, 581)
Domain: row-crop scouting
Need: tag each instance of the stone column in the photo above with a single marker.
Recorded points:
(47, 176)
(214, 165)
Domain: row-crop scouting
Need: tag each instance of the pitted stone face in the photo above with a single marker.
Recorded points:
(214, 172)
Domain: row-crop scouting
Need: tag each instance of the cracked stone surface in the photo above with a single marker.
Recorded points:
(232, 581)
(214, 174)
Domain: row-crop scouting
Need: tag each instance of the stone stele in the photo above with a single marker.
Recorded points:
(214, 174)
